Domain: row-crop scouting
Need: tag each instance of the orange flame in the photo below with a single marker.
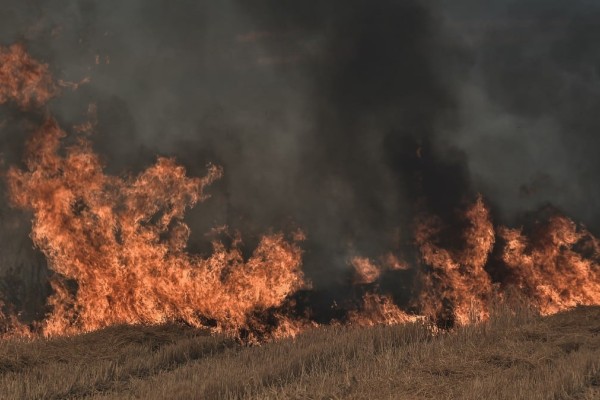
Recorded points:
(457, 282)
(122, 241)
(24, 80)
(364, 270)
(117, 247)
(557, 268)
(379, 310)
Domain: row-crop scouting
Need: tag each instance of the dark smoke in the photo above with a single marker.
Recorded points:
(344, 118)
(528, 122)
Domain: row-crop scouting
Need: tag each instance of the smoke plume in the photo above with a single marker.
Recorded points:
(346, 119)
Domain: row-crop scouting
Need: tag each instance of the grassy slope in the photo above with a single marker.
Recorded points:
(520, 357)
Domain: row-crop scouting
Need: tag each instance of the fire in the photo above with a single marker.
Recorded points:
(456, 286)
(379, 310)
(117, 248)
(557, 267)
(122, 241)
(367, 271)
(364, 270)
(24, 80)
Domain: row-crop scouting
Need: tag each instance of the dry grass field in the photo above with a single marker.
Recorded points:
(510, 357)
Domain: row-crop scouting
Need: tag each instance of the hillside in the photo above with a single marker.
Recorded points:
(524, 357)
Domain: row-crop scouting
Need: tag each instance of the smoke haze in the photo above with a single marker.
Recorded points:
(343, 118)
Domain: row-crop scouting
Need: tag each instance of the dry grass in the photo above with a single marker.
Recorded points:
(511, 357)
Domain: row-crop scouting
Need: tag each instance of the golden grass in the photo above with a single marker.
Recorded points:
(510, 357)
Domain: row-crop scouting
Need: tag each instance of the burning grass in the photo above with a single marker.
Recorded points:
(117, 249)
(513, 355)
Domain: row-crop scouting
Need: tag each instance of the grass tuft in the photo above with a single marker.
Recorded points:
(515, 355)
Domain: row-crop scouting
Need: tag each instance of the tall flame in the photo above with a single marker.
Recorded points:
(122, 242)
(456, 285)
(556, 267)
(117, 248)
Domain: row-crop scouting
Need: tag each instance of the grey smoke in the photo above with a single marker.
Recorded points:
(317, 109)
(529, 127)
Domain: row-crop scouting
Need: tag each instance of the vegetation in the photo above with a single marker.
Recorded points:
(520, 356)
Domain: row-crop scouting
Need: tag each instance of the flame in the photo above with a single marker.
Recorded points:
(11, 327)
(367, 271)
(364, 270)
(555, 267)
(117, 248)
(122, 241)
(379, 309)
(551, 267)
(456, 281)
(393, 263)
(24, 80)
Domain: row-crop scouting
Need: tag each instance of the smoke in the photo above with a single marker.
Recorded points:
(375, 95)
(344, 118)
(528, 124)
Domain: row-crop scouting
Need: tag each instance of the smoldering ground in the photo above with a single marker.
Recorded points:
(343, 118)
